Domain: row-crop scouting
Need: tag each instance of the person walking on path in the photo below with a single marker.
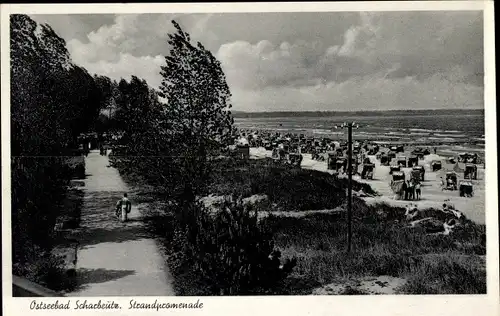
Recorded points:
(123, 207)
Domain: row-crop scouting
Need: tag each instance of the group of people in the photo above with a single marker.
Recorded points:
(412, 190)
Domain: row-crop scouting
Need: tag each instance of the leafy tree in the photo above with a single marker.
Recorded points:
(105, 85)
(50, 95)
(52, 101)
(138, 112)
(140, 117)
(195, 88)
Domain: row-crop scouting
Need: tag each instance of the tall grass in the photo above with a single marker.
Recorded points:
(383, 245)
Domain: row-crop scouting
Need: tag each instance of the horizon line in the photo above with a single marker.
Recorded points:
(354, 111)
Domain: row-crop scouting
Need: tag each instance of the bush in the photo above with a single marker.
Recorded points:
(44, 268)
(39, 198)
(232, 251)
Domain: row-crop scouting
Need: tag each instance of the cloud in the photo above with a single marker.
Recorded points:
(264, 64)
(75, 26)
(310, 61)
(134, 44)
(138, 35)
(126, 65)
(388, 60)
(362, 94)
(126, 35)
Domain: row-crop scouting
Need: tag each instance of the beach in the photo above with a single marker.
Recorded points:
(432, 195)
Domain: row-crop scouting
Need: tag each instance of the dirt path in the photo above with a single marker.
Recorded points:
(115, 259)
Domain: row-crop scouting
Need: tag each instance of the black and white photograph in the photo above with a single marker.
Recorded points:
(195, 154)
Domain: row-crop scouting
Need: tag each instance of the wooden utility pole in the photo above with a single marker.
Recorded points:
(349, 183)
(349, 187)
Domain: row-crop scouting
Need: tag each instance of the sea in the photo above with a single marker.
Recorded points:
(458, 133)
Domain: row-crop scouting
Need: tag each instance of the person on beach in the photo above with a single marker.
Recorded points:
(406, 188)
(123, 207)
(449, 182)
(411, 190)
(417, 190)
(401, 193)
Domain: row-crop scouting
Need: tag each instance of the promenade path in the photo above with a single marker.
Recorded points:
(114, 258)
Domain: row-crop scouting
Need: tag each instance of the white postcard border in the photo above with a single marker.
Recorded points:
(290, 305)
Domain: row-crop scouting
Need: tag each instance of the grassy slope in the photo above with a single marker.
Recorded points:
(291, 189)
(382, 245)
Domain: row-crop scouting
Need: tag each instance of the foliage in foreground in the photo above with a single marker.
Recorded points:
(227, 252)
(44, 268)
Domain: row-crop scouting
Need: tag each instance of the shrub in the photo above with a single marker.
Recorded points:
(43, 268)
(232, 251)
(382, 245)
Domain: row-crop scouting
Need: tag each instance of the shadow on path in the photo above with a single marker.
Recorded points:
(91, 276)
(121, 232)
(101, 225)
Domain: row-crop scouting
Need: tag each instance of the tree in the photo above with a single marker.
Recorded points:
(49, 94)
(198, 103)
(52, 101)
(138, 112)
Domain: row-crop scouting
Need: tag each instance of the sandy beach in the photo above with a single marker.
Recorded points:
(432, 195)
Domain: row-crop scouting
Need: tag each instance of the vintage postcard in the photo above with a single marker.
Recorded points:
(295, 158)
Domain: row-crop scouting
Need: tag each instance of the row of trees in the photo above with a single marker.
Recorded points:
(52, 102)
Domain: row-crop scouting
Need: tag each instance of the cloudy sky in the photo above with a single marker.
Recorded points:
(301, 61)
